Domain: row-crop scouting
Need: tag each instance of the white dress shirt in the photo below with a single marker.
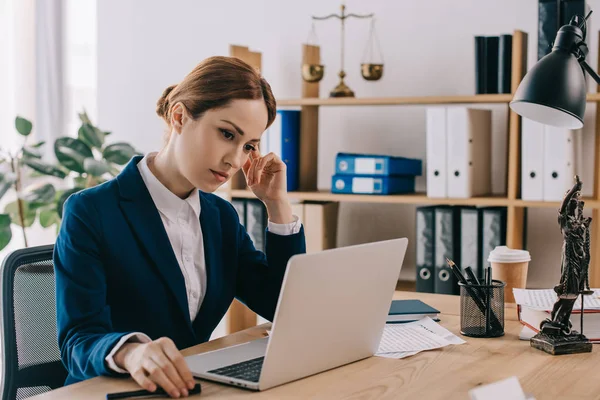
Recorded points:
(181, 219)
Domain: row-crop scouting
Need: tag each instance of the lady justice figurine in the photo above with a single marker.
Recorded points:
(556, 336)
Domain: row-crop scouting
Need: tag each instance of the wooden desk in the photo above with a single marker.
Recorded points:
(447, 373)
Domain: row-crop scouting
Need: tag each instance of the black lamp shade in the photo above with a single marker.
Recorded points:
(553, 92)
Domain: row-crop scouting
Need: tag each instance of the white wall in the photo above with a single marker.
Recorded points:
(428, 50)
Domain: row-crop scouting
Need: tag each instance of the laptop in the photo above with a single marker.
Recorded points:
(331, 311)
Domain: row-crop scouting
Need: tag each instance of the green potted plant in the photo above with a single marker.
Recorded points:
(83, 162)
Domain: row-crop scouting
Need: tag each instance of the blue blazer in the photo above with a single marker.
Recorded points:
(116, 272)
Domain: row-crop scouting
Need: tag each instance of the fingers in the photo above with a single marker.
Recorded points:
(140, 377)
(250, 175)
(171, 373)
(246, 167)
(178, 361)
(157, 375)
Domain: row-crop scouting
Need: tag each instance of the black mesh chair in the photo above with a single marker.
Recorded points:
(32, 362)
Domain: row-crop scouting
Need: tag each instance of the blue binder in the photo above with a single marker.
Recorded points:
(372, 184)
(371, 164)
(283, 139)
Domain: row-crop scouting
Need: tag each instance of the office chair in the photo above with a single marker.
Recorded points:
(32, 363)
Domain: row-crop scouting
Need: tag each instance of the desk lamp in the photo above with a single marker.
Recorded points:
(554, 93)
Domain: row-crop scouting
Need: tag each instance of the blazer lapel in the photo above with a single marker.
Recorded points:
(210, 223)
(144, 219)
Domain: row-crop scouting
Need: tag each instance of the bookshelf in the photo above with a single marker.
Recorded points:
(310, 103)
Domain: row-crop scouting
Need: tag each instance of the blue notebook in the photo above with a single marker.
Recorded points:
(372, 164)
(411, 310)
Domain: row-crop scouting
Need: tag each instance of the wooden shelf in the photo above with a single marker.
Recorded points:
(390, 101)
(386, 101)
(417, 198)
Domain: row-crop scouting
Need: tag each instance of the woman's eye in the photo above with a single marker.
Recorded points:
(250, 147)
(226, 134)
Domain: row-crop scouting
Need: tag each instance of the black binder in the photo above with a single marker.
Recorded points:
(552, 14)
(491, 67)
(493, 231)
(447, 245)
(425, 257)
(480, 62)
(256, 223)
(470, 240)
(504, 63)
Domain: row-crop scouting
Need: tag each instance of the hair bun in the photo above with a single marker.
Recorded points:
(162, 105)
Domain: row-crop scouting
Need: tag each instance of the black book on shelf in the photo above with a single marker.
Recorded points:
(491, 67)
(480, 62)
(504, 63)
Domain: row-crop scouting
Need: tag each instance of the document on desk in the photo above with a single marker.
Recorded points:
(544, 299)
(403, 340)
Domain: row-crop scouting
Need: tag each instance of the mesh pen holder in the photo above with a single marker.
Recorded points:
(482, 309)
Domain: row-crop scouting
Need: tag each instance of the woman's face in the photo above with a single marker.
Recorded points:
(211, 149)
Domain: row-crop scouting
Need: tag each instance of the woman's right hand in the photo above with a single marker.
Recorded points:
(156, 363)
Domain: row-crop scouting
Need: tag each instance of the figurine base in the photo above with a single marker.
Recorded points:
(558, 345)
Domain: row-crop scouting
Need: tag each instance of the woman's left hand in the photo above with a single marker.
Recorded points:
(266, 176)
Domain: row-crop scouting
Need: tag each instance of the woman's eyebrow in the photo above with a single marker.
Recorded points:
(239, 130)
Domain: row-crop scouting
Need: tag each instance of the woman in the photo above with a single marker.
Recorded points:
(149, 262)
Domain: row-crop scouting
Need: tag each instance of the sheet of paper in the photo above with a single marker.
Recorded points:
(416, 336)
(401, 354)
(434, 327)
(544, 299)
(506, 389)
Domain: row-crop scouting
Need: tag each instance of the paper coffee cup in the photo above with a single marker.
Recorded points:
(510, 266)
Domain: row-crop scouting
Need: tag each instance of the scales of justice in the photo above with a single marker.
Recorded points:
(370, 71)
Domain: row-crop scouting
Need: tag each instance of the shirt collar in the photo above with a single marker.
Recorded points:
(166, 201)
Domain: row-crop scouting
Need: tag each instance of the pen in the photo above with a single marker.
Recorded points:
(144, 393)
(478, 301)
(472, 275)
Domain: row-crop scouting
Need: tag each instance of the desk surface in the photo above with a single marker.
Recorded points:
(447, 373)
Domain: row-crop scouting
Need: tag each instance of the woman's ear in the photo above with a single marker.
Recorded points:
(178, 117)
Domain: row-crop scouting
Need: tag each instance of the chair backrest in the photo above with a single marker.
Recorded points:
(32, 363)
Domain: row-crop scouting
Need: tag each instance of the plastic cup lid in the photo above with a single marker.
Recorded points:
(502, 254)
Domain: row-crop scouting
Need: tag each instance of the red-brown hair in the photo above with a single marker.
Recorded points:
(214, 83)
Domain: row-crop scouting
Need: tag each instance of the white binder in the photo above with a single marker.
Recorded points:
(468, 170)
(532, 160)
(559, 162)
(436, 152)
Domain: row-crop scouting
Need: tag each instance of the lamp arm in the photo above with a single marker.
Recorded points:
(590, 71)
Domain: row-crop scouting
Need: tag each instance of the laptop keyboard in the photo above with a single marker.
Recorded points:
(248, 370)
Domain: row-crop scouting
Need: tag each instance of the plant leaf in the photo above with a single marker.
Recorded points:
(44, 168)
(23, 126)
(84, 118)
(38, 145)
(6, 182)
(12, 209)
(95, 167)
(118, 153)
(5, 231)
(63, 197)
(49, 218)
(40, 196)
(30, 151)
(91, 135)
(71, 153)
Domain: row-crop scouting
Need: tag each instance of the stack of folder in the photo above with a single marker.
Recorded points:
(374, 174)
